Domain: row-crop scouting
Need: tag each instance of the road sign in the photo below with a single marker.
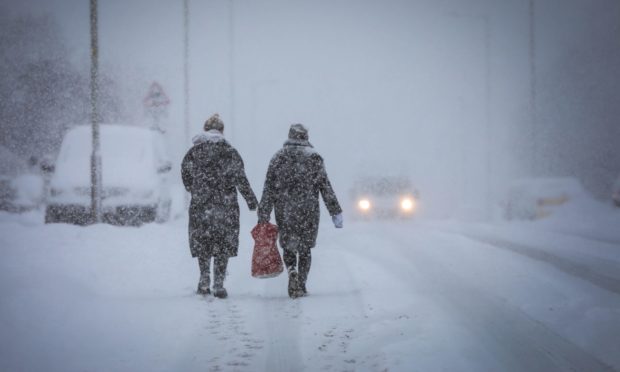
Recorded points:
(156, 97)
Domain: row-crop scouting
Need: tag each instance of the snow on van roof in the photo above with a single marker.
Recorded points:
(129, 155)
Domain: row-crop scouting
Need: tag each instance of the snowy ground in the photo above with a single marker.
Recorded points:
(403, 296)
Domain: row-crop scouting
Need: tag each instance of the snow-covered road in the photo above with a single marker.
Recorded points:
(397, 296)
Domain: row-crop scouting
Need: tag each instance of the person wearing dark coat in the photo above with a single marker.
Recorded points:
(213, 171)
(295, 177)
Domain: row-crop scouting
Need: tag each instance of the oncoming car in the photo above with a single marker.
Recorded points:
(135, 185)
(384, 197)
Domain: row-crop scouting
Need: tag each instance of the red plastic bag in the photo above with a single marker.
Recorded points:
(266, 260)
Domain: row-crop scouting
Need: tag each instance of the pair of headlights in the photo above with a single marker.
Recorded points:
(406, 204)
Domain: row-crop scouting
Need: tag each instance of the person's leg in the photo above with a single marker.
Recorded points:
(219, 272)
(305, 260)
(220, 264)
(204, 262)
(290, 260)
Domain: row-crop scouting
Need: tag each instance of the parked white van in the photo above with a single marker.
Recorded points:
(135, 172)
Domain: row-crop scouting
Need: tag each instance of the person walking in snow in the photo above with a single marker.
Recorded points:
(295, 177)
(213, 171)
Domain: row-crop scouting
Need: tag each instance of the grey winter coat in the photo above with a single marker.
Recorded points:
(295, 177)
(212, 171)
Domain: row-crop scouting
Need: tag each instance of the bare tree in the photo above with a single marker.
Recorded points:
(41, 93)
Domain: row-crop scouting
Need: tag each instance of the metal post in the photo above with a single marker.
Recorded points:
(186, 81)
(186, 69)
(487, 112)
(534, 156)
(231, 71)
(95, 160)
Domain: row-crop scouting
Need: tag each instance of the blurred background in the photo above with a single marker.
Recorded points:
(462, 97)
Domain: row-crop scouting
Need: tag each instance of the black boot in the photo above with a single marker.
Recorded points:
(302, 289)
(203, 287)
(220, 274)
(220, 292)
(305, 260)
(293, 284)
(205, 279)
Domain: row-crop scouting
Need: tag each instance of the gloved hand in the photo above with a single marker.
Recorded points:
(337, 219)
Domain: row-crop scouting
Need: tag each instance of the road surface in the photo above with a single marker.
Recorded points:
(384, 296)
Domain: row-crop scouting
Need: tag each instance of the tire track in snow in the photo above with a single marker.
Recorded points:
(563, 264)
(337, 334)
(532, 345)
(345, 329)
(314, 332)
(228, 345)
(283, 328)
(516, 341)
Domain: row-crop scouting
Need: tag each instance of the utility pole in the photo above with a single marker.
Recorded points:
(186, 138)
(487, 115)
(534, 156)
(186, 69)
(95, 160)
(231, 71)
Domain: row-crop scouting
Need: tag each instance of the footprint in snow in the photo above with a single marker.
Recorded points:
(237, 363)
(252, 344)
(245, 354)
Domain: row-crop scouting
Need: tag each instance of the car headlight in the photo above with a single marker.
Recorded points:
(364, 204)
(407, 204)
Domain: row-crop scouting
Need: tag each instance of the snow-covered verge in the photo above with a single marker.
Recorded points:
(584, 231)
(584, 217)
(383, 296)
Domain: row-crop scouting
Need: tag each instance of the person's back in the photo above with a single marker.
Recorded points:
(297, 168)
(212, 171)
(298, 174)
(295, 177)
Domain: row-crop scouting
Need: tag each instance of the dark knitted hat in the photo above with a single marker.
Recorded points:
(214, 122)
(298, 132)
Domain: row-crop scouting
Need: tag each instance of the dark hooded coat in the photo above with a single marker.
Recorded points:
(295, 177)
(212, 171)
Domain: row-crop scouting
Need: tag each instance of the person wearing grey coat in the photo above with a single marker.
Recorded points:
(213, 171)
(295, 178)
